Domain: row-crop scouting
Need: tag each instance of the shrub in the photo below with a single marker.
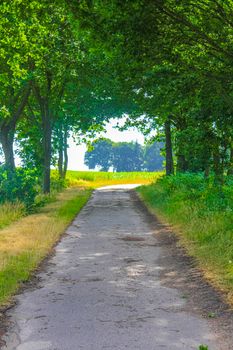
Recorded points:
(57, 184)
(19, 187)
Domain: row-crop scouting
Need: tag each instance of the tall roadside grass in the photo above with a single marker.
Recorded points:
(202, 215)
(10, 212)
(25, 243)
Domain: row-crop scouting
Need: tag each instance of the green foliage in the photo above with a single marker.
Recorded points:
(170, 78)
(203, 347)
(62, 73)
(28, 140)
(153, 159)
(21, 186)
(57, 183)
(127, 156)
(100, 155)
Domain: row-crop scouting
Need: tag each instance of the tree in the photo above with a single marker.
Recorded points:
(171, 46)
(100, 155)
(127, 156)
(62, 74)
(15, 79)
(51, 72)
(124, 156)
(153, 160)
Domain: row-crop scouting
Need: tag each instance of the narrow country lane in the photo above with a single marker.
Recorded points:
(102, 290)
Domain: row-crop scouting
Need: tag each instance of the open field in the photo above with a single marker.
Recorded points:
(201, 214)
(96, 179)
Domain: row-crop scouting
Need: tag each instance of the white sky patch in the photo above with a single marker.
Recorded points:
(76, 153)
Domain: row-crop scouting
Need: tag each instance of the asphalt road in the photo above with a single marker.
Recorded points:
(102, 288)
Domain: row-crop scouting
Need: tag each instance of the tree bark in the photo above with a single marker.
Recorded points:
(181, 163)
(217, 165)
(60, 153)
(47, 148)
(207, 171)
(230, 168)
(65, 153)
(8, 125)
(7, 140)
(168, 141)
(46, 117)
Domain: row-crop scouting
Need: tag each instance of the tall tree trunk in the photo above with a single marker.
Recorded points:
(207, 171)
(8, 126)
(46, 118)
(181, 163)
(65, 153)
(217, 165)
(181, 125)
(7, 140)
(168, 141)
(230, 167)
(60, 153)
(47, 141)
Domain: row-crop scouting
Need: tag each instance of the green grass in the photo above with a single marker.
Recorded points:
(202, 215)
(10, 212)
(70, 208)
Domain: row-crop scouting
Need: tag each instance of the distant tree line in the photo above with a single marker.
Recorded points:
(124, 156)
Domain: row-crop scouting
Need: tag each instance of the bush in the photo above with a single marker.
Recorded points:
(21, 186)
(194, 188)
(57, 184)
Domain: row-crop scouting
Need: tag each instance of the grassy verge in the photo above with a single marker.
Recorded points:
(25, 243)
(201, 215)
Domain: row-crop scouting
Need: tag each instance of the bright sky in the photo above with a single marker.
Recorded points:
(76, 153)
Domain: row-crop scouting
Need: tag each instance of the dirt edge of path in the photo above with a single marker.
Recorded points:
(181, 271)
